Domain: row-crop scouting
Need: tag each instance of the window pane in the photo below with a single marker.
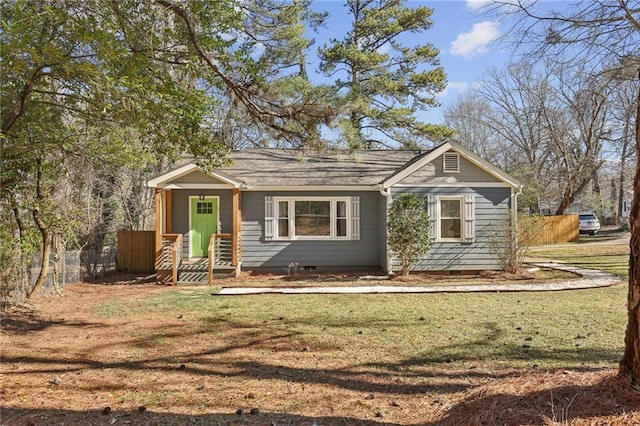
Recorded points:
(341, 218)
(283, 218)
(450, 228)
(283, 227)
(450, 208)
(283, 209)
(204, 207)
(313, 218)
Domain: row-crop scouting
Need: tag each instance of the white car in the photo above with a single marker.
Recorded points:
(589, 223)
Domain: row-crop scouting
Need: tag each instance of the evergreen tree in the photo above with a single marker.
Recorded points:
(384, 84)
(279, 28)
(81, 80)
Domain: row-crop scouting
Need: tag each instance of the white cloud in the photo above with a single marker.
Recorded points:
(478, 4)
(495, 6)
(475, 41)
(458, 86)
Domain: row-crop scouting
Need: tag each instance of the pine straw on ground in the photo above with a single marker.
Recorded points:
(63, 364)
(549, 397)
(356, 278)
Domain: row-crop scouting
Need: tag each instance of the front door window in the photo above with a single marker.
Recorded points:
(204, 223)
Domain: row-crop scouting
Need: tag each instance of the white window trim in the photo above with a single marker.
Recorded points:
(444, 162)
(459, 198)
(292, 220)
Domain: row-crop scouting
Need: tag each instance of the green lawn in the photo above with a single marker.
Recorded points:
(567, 329)
(185, 355)
(611, 258)
(488, 330)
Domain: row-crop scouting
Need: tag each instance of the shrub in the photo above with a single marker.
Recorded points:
(408, 227)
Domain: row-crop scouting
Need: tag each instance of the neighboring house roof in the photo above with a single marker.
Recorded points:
(268, 167)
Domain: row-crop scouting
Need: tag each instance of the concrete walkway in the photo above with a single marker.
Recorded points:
(589, 278)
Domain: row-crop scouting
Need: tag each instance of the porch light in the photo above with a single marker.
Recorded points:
(201, 196)
(244, 185)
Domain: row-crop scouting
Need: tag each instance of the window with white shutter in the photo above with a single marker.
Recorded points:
(312, 218)
(269, 218)
(355, 218)
(469, 233)
(452, 217)
(432, 211)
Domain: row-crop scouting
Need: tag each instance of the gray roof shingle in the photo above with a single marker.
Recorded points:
(280, 167)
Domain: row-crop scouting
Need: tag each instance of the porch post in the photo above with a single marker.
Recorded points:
(158, 199)
(168, 200)
(237, 220)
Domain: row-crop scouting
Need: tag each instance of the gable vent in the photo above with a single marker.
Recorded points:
(451, 162)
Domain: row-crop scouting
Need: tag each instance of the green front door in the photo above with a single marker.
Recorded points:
(204, 223)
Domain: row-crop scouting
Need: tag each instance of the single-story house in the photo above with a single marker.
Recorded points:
(274, 209)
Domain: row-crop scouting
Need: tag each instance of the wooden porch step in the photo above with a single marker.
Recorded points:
(198, 273)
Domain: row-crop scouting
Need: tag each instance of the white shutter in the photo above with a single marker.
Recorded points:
(355, 217)
(469, 218)
(432, 211)
(269, 218)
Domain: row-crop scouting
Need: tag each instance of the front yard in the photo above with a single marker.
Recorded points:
(148, 354)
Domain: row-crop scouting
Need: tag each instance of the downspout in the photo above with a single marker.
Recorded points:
(514, 213)
(387, 194)
(514, 205)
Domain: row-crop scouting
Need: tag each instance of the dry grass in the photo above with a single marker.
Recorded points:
(136, 354)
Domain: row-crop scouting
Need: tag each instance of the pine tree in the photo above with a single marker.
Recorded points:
(385, 84)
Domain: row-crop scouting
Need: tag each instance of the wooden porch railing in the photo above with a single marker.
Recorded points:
(172, 254)
(223, 249)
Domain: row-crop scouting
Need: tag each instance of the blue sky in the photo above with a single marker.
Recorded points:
(463, 35)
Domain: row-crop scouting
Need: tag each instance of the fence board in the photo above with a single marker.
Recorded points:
(542, 230)
(136, 251)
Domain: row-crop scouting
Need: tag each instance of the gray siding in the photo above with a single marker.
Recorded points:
(492, 209)
(433, 173)
(197, 177)
(383, 231)
(180, 220)
(323, 254)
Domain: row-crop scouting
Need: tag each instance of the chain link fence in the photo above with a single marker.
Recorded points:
(66, 267)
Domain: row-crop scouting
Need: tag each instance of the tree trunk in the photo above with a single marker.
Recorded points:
(46, 251)
(626, 142)
(569, 196)
(630, 363)
(621, 180)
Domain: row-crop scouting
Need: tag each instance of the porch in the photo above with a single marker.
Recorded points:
(219, 263)
(219, 255)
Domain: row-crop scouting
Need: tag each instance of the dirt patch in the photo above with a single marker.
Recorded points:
(62, 363)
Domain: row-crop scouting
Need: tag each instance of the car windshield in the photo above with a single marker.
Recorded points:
(588, 217)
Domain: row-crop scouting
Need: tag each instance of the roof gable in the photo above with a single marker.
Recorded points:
(428, 167)
(190, 174)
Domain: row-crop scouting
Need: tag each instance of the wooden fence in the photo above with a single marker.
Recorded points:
(541, 230)
(136, 251)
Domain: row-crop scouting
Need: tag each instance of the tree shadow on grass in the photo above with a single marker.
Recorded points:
(512, 396)
(528, 399)
(523, 400)
(488, 345)
(23, 321)
(19, 417)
